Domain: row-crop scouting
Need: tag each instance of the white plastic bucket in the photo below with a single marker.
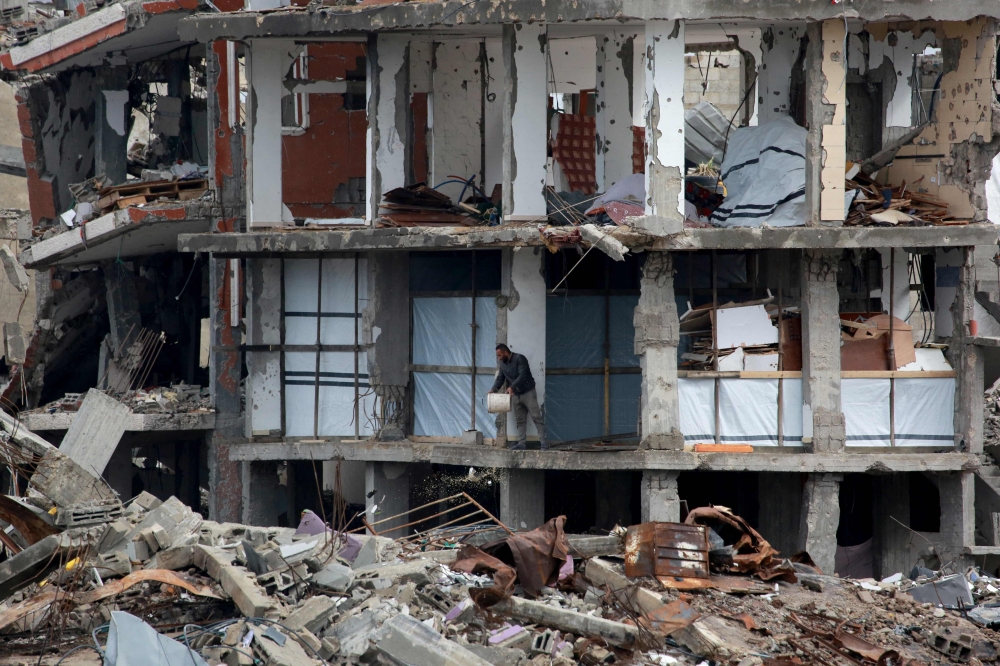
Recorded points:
(498, 403)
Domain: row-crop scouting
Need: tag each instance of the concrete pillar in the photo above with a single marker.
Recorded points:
(386, 327)
(958, 515)
(820, 519)
(660, 501)
(891, 500)
(123, 304)
(113, 110)
(263, 324)
(826, 113)
(967, 359)
(822, 418)
(525, 120)
(526, 320)
(522, 499)
(664, 113)
(614, 115)
(780, 507)
(656, 337)
(613, 491)
(388, 486)
(388, 110)
(779, 52)
(225, 477)
(266, 76)
(900, 298)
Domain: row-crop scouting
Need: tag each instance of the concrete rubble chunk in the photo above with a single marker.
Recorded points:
(96, 430)
(15, 352)
(535, 612)
(29, 565)
(16, 274)
(406, 640)
(334, 576)
(290, 653)
(237, 582)
(312, 614)
(353, 633)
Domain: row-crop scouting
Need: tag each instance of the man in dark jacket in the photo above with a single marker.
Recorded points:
(514, 371)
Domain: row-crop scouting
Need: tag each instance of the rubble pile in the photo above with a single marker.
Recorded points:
(177, 398)
(118, 579)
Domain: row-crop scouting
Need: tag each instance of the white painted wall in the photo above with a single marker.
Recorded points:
(664, 82)
(614, 119)
(572, 67)
(391, 154)
(264, 134)
(774, 71)
(527, 137)
(263, 322)
(526, 321)
(456, 133)
(899, 110)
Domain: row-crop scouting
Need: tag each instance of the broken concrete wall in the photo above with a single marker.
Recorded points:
(780, 48)
(457, 140)
(57, 120)
(323, 167)
(962, 125)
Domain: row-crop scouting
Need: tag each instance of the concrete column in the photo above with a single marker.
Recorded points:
(522, 499)
(967, 359)
(820, 519)
(225, 477)
(660, 501)
(958, 515)
(613, 491)
(897, 303)
(780, 508)
(779, 52)
(826, 113)
(664, 113)
(656, 337)
(113, 110)
(614, 116)
(891, 495)
(822, 418)
(388, 486)
(525, 120)
(388, 110)
(264, 395)
(123, 303)
(526, 320)
(386, 327)
(266, 77)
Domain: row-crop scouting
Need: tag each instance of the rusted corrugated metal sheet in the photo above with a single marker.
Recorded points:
(667, 549)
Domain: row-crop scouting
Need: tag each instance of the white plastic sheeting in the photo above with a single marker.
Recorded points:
(865, 403)
(442, 335)
(765, 176)
(748, 411)
(925, 412)
(339, 323)
(442, 407)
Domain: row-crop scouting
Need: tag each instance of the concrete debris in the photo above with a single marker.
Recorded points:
(303, 604)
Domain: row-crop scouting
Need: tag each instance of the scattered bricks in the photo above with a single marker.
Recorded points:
(308, 640)
(91, 513)
(113, 564)
(113, 537)
(173, 559)
(866, 596)
(498, 656)
(312, 614)
(512, 637)
(145, 501)
(949, 642)
(328, 648)
(596, 656)
(545, 643)
(463, 612)
(435, 597)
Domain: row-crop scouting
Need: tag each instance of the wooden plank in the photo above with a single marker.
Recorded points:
(982, 341)
(898, 374)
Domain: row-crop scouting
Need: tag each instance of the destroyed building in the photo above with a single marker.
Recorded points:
(750, 260)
